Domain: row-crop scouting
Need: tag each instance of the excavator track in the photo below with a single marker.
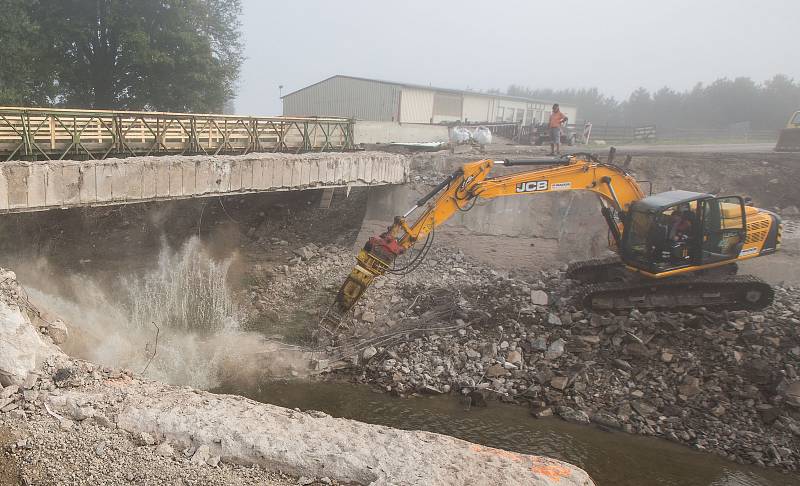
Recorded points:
(596, 270)
(740, 292)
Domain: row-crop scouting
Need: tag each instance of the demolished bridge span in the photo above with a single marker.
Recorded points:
(39, 186)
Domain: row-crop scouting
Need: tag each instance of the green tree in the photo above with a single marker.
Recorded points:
(639, 109)
(24, 79)
(178, 55)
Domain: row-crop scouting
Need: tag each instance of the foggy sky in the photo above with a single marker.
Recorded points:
(614, 45)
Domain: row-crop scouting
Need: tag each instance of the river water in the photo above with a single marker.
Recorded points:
(611, 458)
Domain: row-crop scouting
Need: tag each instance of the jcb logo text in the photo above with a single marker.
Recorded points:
(532, 186)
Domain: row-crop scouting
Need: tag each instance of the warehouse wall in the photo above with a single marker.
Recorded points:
(478, 108)
(416, 105)
(345, 97)
(372, 132)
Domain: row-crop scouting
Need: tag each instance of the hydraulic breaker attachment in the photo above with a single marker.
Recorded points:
(369, 264)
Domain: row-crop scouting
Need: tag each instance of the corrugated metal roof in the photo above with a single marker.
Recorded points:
(422, 86)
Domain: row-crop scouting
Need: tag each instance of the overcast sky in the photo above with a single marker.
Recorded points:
(615, 45)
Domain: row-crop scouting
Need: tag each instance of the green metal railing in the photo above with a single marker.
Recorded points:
(56, 134)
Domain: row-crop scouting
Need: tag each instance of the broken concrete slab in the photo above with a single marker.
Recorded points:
(314, 444)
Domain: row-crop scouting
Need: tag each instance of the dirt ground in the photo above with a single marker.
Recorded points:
(9, 471)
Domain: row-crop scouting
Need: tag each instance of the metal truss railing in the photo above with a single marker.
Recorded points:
(56, 134)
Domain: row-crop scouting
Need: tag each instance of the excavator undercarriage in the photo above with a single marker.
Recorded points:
(606, 285)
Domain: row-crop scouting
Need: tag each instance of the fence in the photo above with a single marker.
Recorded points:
(714, 135)
(47, 134)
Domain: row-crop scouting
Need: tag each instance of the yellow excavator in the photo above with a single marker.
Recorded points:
(677, 249)
(789, 138)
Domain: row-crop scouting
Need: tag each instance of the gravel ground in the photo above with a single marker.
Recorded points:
(38, 451)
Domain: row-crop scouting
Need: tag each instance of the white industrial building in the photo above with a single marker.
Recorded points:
(375, 100)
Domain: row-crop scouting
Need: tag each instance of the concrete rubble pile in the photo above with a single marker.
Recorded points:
(64, 420)
(725, 382)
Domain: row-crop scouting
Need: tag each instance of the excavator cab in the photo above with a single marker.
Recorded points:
(678, 230)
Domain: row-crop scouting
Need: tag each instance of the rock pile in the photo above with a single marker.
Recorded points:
(22, 348)
(724, 382)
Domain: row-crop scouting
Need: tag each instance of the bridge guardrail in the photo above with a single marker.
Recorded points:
(55, 134)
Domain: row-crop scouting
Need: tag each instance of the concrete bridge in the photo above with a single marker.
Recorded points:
(42, 185)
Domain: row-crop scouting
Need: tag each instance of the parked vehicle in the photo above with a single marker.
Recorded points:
(540, 135)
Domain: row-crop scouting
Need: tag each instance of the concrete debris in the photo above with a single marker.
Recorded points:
(229, 433)
(722, 382)
(539, 297)
(164, 449)
(22, 348)
(58, 331)
(272, 436)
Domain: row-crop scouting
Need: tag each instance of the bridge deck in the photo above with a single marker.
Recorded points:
(37, 186)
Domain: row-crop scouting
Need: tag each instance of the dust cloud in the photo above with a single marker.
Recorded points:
(178, 322)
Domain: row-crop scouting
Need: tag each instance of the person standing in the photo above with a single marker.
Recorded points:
(557, 119)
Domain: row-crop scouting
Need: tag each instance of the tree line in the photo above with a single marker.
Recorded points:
(764, 106)
(167, 55)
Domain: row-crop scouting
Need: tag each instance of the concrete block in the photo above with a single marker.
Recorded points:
(16, 175)
(162, 179)
(202, 177)
(133, 181)
(236, 175)
(285, 168)
(119, 183)
(188, 177)
(258, 175)
(337, 172)
(175, 178)
(105, 176)
(222, 183)
(3, 191)
(314, 173)
(71, 178)
(248, 167)
(362, 169)
(88, 182)
(271, 174)
(149, 180)
(37, 185)
(305, 173)
(54, 184)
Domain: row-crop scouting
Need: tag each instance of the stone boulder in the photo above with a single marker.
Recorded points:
(22, 349)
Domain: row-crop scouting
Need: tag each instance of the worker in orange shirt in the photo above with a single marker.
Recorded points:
(556, 120)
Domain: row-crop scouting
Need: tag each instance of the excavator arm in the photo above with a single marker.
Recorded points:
(615, 187)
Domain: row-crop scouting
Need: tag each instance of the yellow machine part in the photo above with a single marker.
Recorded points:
(367, 267)
(789, 138)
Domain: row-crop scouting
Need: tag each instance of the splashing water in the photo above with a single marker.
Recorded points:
(186, 295)
(187, 291)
